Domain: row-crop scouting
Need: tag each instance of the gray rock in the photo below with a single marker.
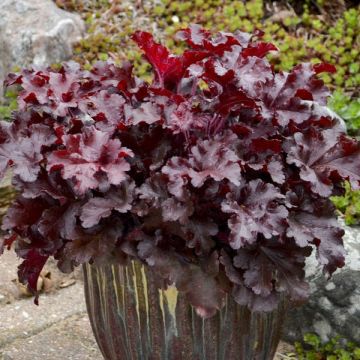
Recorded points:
(334, 305)
(35, 32)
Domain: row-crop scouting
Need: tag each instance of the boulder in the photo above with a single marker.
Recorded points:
(35, 32)
(334, 305)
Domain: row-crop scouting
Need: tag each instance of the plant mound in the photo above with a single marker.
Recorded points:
(216, 175)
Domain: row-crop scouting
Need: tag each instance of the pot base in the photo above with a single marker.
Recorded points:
(134, 320)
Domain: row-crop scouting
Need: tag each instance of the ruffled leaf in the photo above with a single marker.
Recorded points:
(89, 155)
(255, 209)
(101, 207)
(323, 158)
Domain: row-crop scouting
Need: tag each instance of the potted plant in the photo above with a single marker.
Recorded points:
(192, 200)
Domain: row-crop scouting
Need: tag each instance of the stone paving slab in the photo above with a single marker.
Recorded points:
(70, 339)
(22, 318)
(8, 267)
(57, 329)
(8, 272)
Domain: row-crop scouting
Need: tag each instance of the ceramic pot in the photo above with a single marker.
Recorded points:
(133, 320)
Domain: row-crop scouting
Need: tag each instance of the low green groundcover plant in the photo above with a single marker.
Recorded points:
(312, 32)
(335, 349)
(8, 105)
(349, 205)
(348, 109)
(216, 174)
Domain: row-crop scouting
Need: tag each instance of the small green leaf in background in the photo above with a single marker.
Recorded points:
(349, 205)
(357, 353)
(313, 340)
(8, 105)
(348, 109)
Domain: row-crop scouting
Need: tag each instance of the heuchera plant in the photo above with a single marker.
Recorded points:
(216, 175)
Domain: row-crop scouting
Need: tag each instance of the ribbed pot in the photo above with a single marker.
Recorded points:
(133, 319)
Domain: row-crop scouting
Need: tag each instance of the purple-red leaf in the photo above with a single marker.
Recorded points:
(23, 152)
(322, 155)
(255, 209)
(166, 66)
(314, 222)
(89, 155)
(29, 270)
(100, 207)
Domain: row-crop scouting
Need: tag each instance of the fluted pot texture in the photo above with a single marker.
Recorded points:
(134, 320)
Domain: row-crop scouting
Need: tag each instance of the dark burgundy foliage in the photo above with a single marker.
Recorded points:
(216, 175)
(256, 210)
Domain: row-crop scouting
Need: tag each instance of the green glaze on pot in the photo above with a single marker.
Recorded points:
(133, 319)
